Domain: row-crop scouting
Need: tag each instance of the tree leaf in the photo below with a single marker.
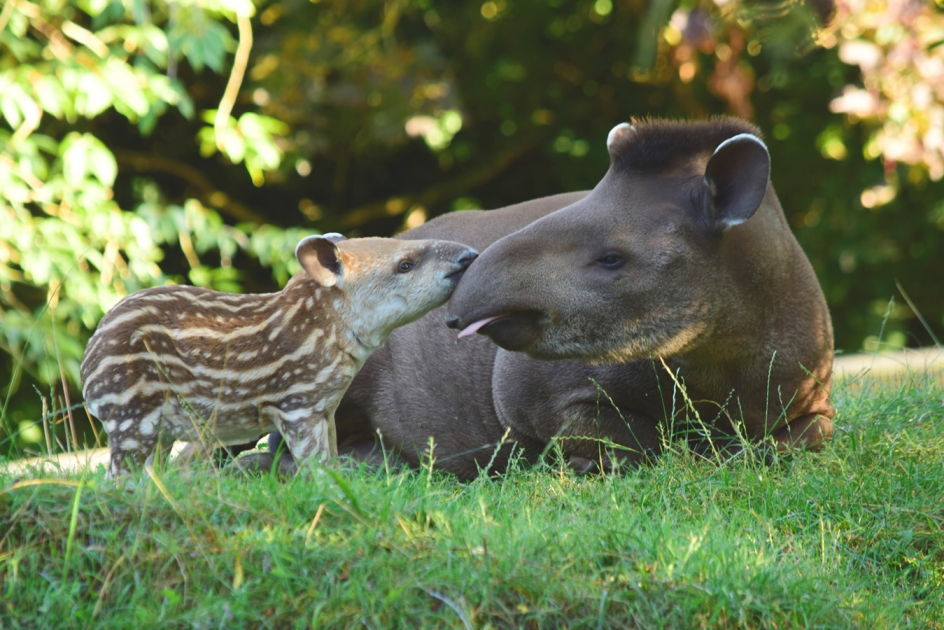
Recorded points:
(102, 162)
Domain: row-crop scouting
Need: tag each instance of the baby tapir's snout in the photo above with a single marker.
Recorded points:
(466, 258)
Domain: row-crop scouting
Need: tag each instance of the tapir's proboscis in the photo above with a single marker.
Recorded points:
(671, 296)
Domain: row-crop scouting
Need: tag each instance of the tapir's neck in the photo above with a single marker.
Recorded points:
(772, 330)
(762, 283)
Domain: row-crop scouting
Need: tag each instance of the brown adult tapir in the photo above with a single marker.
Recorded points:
(671, 296)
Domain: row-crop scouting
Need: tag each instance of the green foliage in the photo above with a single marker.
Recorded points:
(249, 139)
(68, 249)
(850, 537)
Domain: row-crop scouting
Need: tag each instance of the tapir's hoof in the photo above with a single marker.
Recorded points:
(583, 466)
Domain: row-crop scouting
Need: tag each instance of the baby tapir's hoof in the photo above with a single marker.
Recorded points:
(264, 463)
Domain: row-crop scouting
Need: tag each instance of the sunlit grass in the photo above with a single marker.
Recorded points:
(849, 537)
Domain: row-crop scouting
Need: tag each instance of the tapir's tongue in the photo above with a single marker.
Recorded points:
(472, 328)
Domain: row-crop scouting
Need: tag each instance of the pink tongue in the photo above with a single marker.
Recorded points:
(472, 328)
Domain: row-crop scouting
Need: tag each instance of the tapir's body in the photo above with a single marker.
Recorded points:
(678, 271)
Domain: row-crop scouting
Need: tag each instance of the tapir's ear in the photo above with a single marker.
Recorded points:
(319, 256)
(334, 237)
(737, 176)
(619, 138)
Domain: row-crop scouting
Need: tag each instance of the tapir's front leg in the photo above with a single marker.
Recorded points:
(809, 431)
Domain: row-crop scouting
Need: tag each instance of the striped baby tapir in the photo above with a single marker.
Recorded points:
(183, 363)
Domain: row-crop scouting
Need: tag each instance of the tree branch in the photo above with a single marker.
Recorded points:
(394, 206)
(208, 194)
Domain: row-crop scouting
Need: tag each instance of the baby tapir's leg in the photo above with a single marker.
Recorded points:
(134, 450)
(133, 437)
(309, 435)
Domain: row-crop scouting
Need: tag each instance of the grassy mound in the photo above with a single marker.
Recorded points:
(849, 537)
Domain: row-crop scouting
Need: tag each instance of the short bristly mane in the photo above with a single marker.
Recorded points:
(660, 144)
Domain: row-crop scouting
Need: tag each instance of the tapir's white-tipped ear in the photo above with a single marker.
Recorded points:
(737, 175)
(319, 257)
(618, 136)
(334, 237)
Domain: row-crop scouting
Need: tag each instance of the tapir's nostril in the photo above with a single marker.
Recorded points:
(466, 259)
(453, 321)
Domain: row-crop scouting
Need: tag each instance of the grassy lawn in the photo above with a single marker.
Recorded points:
(849, 537)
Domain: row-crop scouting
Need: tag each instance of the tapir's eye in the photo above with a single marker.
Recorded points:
(610, 261)
(405, 266)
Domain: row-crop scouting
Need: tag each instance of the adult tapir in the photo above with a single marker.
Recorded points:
(672, 295)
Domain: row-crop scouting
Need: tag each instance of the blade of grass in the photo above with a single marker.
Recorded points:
(65, 382)
(914, 309)
(73, 522)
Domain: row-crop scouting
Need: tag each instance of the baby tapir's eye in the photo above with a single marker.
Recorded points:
(405, 265)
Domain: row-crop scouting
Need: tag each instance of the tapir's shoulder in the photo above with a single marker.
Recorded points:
(480, 228)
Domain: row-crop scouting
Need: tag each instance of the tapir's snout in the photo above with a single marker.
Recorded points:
(487, 303)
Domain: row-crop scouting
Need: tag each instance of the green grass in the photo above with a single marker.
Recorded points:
(852, 536)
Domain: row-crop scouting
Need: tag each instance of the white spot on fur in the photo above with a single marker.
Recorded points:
(327, 371)
(295, 415)
(149, 422)
(129, 444)
(617, 131)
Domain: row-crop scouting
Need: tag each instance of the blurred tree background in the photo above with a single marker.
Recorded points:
(155, 141)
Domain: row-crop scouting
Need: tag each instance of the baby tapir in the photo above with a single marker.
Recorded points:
(182, 363)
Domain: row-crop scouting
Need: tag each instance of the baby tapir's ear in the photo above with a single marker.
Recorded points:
(334, 237)
(319, 257)
(737, 176)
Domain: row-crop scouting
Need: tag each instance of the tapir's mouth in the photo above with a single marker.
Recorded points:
(474, 327)
(512, 331)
